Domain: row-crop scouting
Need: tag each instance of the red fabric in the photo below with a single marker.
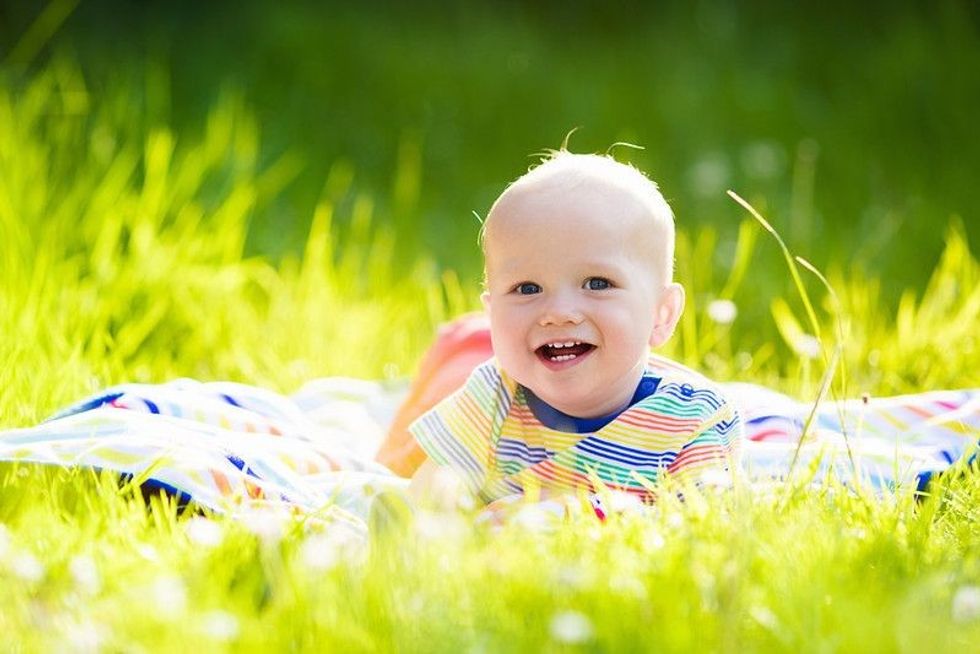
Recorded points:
(460, 346)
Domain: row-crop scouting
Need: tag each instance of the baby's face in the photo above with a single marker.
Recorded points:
(573, 297)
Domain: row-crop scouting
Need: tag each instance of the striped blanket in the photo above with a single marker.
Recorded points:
(234, 447)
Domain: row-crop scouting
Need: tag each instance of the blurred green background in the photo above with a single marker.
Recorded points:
(851, 125)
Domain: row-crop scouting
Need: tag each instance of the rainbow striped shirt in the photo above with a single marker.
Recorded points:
(490, 437)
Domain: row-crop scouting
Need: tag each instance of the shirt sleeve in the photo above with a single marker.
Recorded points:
(460, 431)
(712, 456)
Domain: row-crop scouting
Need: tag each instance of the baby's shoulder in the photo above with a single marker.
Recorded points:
(490, 387)
(684, 385)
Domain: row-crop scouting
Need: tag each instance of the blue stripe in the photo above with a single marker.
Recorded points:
(698, 397)
(794, 421)
(508, 448)
(437, 436)
(150, 405)
(922, 480)
(620, 454)
(230, 400)
(241, 465)
(183, 498)
(87, 405)
(726, 426)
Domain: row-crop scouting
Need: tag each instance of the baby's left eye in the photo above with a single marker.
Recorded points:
(597, 283)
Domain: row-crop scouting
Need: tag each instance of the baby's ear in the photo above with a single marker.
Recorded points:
(666, 314)
(485, 299)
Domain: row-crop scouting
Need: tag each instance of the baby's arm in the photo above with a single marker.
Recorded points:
(456, 436)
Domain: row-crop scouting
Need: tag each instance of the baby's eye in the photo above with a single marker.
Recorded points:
(527, 288)
(597, 283)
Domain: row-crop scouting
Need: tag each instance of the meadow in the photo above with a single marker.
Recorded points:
(156, 224)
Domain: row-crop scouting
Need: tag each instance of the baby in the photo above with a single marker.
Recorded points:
(579, 257)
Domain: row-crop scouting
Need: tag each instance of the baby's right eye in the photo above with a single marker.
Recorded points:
(527, 288)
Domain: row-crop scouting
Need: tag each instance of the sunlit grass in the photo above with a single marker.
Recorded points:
(123, 260)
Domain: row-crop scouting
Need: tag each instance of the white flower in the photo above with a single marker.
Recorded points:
(85, 573)
(204, 532)
(168, 594)
(327, 550)
(148, 552)
(622, 502)
(966, 604)
(220, 625)
(319, 552)
(571, 627)
(654, 539)
(765, 617)
(807, 346)
(26, 566)
(85, 636)
(268, 524)
(540, 516)
(722, 312)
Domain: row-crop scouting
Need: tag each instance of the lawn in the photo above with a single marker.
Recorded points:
(157, 222)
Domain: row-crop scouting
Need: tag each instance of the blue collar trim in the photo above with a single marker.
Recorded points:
(554, 419)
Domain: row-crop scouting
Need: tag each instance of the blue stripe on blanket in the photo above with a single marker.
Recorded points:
(88, 405)
(240, 464)
(230, 400)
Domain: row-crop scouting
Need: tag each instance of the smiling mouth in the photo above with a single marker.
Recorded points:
(560, 351)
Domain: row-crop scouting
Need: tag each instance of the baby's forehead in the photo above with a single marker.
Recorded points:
(583, 194)
(600, 199)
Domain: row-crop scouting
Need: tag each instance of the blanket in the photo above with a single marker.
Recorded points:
(237, 448)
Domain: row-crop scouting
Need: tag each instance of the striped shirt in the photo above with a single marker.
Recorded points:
(488, 434)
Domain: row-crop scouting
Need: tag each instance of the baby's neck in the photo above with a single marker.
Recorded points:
(552, 418)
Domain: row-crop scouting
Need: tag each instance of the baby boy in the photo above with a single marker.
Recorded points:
(579, 257)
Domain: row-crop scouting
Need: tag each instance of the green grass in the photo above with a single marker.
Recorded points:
(123, 259)
(848, 123)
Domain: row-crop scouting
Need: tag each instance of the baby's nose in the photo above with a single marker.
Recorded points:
(561, 310)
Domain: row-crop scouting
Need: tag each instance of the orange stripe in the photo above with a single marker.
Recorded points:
(221, 481)
(919, 411)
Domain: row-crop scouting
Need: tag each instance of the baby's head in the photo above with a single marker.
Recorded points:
(579, 257)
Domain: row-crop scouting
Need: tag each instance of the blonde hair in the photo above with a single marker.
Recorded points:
(564, 170)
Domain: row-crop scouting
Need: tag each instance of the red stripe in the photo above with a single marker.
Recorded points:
(663, 423)
(770, 434)
(549, 470)
(697, 454)
(522, 413)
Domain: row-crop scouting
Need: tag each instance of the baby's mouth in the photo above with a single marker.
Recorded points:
(563, 350)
